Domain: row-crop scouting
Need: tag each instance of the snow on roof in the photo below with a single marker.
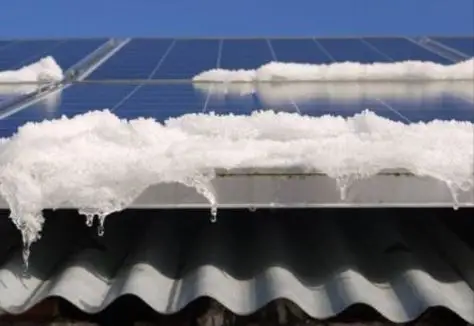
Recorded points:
(343, 71)
(44, 70)
(99, 163)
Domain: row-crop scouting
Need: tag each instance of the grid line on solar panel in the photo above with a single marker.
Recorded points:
(464, 45)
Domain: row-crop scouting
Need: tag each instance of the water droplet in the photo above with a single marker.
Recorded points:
(100, 227)
(100, 230)
(454, 190)
(213, 214)
(252, 209)
(89, 220)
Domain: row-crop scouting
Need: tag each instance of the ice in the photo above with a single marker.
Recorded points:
(343, 71)
(99, 163)
(45, 70)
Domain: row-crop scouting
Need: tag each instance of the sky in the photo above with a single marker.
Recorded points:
(127, 18)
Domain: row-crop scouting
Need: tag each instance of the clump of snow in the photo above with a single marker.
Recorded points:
(276, 93)
(100, 164)
(343, 71)
(43, 71)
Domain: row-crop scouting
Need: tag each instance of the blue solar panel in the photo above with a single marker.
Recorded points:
(415, 104)
(138, 59)
(71, 52)
(301, 51)
(5, 43)
(245, 54)
(23, 52)
(401, 49)
(443, 107)
(188, 58)
(162, 101)
(464, 45)
(183, 59)
(356, 50)
(126, 100)
(65, 52)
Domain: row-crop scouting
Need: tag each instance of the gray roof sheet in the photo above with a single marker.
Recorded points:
(400, 262)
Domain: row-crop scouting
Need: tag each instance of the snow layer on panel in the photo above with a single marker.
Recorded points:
(343, 71)
(100, 164)
(43, 71)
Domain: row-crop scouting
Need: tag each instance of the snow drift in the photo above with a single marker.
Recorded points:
(100, 164)
(45, 70)
(343, 71)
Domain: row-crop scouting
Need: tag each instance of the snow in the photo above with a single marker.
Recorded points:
(45, 70)
(343, 71)
(100, 164)
(277, 93)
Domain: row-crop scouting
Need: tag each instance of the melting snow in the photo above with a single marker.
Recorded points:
(43, 71)
(344, 71)
(274, 94)
(99, 163)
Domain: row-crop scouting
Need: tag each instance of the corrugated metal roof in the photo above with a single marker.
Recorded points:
(401, 262)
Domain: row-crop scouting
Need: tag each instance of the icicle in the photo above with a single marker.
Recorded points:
(28, 236)
(204, 187)
(344, 183)
(213, 213)
(454, 190)
(89, 219)
(100, 227)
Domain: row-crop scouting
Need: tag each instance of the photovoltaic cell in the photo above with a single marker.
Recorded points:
(71, 52)
(245, 54)
(161, 101)
(183, 59)
(188, 58)
(24, 52)
(401, 49)
(301, 51)
(464, 45)
(443, 107)
(5, 43)
(341, 50)
(65, 52)
(136, 60)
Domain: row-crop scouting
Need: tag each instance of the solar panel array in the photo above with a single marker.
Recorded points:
(174, 62)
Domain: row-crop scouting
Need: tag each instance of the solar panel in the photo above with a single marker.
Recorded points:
(183, 59)
(301, 51)
(402, 49)
(65, 52)
(341, 50)
(136, 60)
(245, 54)
(24, 52)
(397, 101)
(464, 45)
